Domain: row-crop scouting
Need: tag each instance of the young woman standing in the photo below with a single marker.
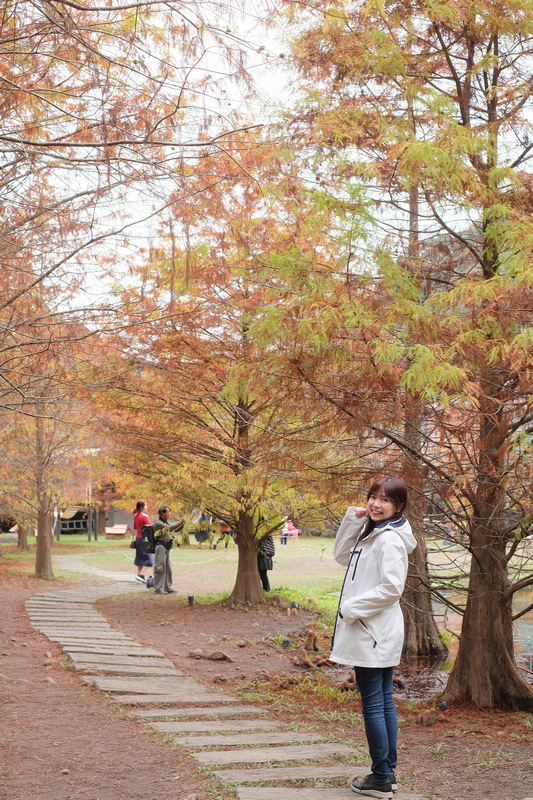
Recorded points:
(373, 542)
(142, 560)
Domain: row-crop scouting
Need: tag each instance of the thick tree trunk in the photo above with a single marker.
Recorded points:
(485, 671)
(248, 586)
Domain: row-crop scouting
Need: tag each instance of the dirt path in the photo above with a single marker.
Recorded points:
(61, 740)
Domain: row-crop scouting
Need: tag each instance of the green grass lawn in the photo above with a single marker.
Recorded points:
(302, 571)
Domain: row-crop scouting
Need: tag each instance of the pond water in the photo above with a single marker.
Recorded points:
(423, 677)
(523, 627)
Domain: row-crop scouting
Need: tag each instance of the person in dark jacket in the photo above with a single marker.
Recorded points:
(163, 545)
(265, 552)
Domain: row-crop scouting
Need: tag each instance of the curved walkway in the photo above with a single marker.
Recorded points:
(76, 564)
(201, 718)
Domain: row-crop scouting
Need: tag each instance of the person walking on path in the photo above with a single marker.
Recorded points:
(265, 552)
(225, 534)
(163, 545)
(373, 542)
(142, 560)
(203, 530)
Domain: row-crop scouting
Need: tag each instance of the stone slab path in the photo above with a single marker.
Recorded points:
(214, 711)
(233, 739)
(263, 793)
(217, 726)
(203, 718)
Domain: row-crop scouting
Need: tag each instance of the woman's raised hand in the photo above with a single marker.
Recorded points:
(360, 511)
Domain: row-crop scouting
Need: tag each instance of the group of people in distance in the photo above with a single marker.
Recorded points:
(373, 542)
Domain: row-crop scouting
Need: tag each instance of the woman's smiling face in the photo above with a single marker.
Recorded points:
(380, 507)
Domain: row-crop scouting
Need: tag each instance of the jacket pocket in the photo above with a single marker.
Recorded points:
(367, 629)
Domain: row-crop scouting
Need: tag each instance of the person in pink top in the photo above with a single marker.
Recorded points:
(142, 561)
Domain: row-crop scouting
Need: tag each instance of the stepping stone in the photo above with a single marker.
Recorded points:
(200, 696)
(81, 634)
(65, 608)
(293, 753)
(119, 670)
(216, 725)
(100, 646)
(279, 774)
(316, 793)
(60, 618)
(73, 625)
(65, 619)
(111, 645)
(282, 793)
(122, 660)
(174, 686)
(56, 606)
(65, 612)
(119, 649)
(50, 622)
(217, 711)
(80, 638)
(89, 639)
(88, 644)
(261, 739)
(92, 628)
(58, 598)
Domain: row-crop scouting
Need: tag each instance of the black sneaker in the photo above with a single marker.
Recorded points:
(370, 788)
(393, 781)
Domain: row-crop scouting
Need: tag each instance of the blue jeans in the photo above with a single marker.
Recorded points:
(379, 713)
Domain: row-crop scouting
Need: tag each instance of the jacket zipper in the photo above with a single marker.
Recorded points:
(354, 551)
(356, 563)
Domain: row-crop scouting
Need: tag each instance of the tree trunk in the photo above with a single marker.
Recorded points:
(22, 532)
(485, 671)
(247, 586)
(101, 520)
(43, 559)
(421, 633)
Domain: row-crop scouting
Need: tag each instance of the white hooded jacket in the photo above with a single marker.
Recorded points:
(369, 629)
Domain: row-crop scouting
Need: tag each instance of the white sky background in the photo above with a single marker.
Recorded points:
(263, 53)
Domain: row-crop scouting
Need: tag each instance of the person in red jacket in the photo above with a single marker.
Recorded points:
(143, 561)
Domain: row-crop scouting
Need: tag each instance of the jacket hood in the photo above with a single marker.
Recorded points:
(401, 527)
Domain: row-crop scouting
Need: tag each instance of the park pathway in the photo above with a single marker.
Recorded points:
(206, 722)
